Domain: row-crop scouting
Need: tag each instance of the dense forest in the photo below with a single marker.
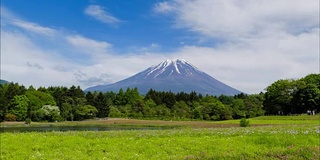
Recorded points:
(18, 103)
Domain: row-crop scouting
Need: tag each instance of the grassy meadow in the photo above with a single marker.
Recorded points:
(287, 137)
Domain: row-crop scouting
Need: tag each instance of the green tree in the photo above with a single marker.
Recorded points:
(85, 112)
(126, 110)
(90, 98)
(7, 92)
(138, 106)
(169, 99)
(102, 104)
(38, 115)
(19, 107)
(253, 105)
(162, 112)
(292, 96)
(60, 95)
(155, 96)
(278, 97)
(193, 97)
(121, 98)
(75, 92)
(181, 110)
(66, 112)
(114, 112)
(227, 100)
(213, 109)
(3, 103)
(197, 112)
(75, 103)
(132, 95)
(307, 98)
(312, 79)
(238, 109)
(37, 99)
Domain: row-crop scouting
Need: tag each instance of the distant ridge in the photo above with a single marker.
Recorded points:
(175, 75)
(3, 81)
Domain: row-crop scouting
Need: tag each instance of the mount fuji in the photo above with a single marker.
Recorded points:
(171, 75)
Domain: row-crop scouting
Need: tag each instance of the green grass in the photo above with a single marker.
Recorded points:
(271, 142)
(279, 120)
(301, 117)
(294, 137)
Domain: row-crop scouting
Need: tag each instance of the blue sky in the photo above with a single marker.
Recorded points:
(245, 44)
(135, 24)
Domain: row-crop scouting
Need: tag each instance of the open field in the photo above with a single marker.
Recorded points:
(258, 121)
(278, 138)
(279, 120)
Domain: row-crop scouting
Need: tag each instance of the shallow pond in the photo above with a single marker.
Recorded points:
(79, 128)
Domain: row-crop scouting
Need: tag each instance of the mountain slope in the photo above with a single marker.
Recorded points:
(3, 81)
(171, 75)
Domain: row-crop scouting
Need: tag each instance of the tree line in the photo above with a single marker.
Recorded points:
(18, 103)
(290, 96)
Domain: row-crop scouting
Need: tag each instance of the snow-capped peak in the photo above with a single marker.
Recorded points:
(170, 67)
(176, 67)
(177, 60)
(163, 65)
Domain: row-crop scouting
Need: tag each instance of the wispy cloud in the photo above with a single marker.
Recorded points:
(86, 80)
(8, 18)
(234, 19)
(34, 65)
(87, 45)
(164, 7)
(100, 14)
(32, 27)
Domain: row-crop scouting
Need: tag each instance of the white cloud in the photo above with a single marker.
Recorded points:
(238, 19)
(71, 59)
(87, 45)
(100, 14)
(164, 7)
(88, 81)
(24, 62)
(8, 18)
(35, 65)
(32, 27)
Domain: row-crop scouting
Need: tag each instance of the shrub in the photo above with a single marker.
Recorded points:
(28, 121)
(244, 122)
(49, 113)
(10, 117)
